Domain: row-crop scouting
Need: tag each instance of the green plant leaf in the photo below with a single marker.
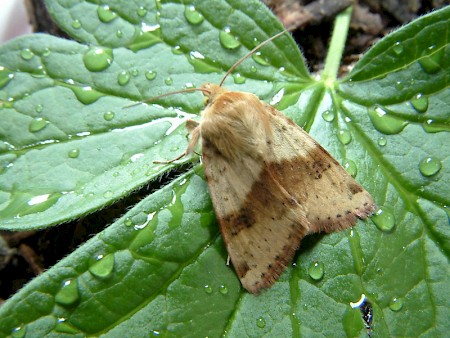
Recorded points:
(160, 269)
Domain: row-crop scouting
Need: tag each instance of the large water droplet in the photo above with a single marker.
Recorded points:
(429, 166)
(86, 95)
(396, 304)
(351, 167)
(108, 116)
(102, 266)
(238, 78)
(146, 37)
(398, 48)
(68, 294)
(382, 141)
(97, 59)
(345, 137)
(316, 270)
(19, 332)
(74, 153)
(228, 40)
(430, 60)
(124, 77)
(64, 327)
(105, 14)
(37, 124)
(208, 289)
(5, 76)
(420, 103)
(384, 219)
(261, 322)
(223, 289)
(328, 115)
(260, 59)
(385, 122)
(150, 75)
(431, 126)
(26, 54)
(192, 15)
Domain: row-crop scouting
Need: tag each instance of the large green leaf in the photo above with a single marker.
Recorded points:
(69, 147)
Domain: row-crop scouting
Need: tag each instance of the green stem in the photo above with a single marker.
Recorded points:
(337, 44)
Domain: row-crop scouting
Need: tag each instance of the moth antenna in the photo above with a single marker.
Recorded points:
(262, 44)
(188, 90)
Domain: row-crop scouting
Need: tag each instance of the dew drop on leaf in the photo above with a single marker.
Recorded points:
(73, 153)
(128, 222)
(192, 15)
(328, 115)
(259, 59)
(398, 48)
(119, 33)
(228, 40)
(76, 24)
(37, 124)
(108, 116)
(385, 122)
(108, 194)
(26, 54)
(429, 166)
(86, 95)
(5, 76)
(431, 59)
(63, 327)
(431, 126)
(97, 59)
(123, 78)
(142, 11)
(68, 294)
(420, 103)
(395, 304)
(105, 14)
(384, 219)
(238, 78)
(351, 167)
(253, 69)
(19, 332)
(39, 108)
(382, 141)
(208, 289)
(223, 289)
(261, 322)
(102, 266)
(168, 81)
(316, 270)
(150, 75)
(176, 50)
(344, 137)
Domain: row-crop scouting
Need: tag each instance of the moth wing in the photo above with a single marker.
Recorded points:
(332, 199)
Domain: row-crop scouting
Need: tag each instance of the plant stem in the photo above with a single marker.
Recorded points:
(338, 39)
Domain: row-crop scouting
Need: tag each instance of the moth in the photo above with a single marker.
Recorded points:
(270, 183)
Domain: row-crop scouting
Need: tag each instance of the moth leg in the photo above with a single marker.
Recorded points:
(194, 130)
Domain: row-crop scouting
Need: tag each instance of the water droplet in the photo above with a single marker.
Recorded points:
(420, 103)
(385, 122)
(128, 222)
(351, 167)
(176, 50)
(124, 77)
(398, 48)
(328, 115)
(86, 95)
(382, 141)
(396, 304)
(108, 116)
(192, 15)
(431, 59)
(105, 14)
(260, 59)
(142, 11)
(68, 294)
(431, 126)
(253, 69)
(145, 37)
(26, 54)
(76, 24)
(208, 289)
(150, 75)
(223, 289)
(168, 81)
(429, 166)
(135, 72)
(63, 327)
(5, 76)
(261, 322)
(19, 332)
(74, 153)
(345, 137)
(316, 270)
(108, 194)
(37, 124)
(384, 219)
(228, 40)
(46, 52)
(39, 108)
(238, 78)
(119, 33)
(97, 59)
(102, 266)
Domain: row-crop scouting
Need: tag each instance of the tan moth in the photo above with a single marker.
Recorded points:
(271, 184)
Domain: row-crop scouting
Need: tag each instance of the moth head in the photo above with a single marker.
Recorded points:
(211, 92)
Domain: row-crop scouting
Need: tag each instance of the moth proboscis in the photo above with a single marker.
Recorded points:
(271, 184)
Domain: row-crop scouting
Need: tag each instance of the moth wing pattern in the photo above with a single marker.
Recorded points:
(273, 188)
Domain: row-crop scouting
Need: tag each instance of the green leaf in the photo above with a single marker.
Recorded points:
(69, 146)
